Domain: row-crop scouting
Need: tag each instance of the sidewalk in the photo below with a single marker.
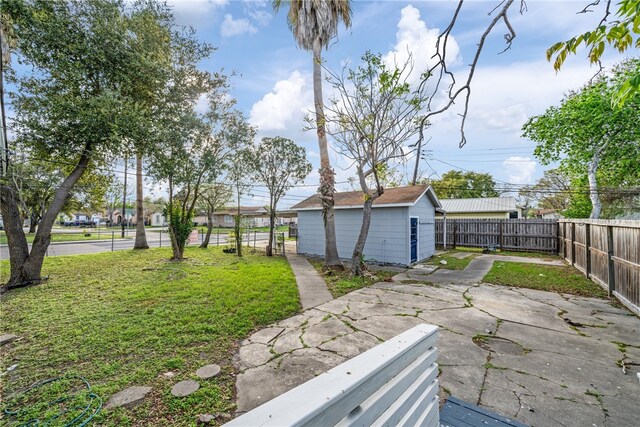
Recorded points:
(312, 288)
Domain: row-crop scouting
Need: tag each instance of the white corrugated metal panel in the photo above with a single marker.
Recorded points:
(485, 204)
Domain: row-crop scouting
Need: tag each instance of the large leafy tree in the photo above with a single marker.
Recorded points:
(591, 137)
(69, 104)
(464, 185)
(621, 33)
(373, 115)
(314, 23)
(279, 164)
(185, 154)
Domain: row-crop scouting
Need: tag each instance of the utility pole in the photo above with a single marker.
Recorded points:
(4, 143)
(124, 196)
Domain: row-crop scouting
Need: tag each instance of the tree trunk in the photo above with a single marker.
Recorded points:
(327, 176)
(272, 221)
(592, 169)
(205, 242)
(357, 259)
(124, 198)
(33, 224)
(141, 236)
(16, 240)
(237, 221)
(26, 267)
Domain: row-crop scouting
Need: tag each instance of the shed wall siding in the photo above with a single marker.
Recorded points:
(388, 239)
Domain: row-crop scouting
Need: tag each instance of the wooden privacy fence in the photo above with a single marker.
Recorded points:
(530, 235)
(608, 252)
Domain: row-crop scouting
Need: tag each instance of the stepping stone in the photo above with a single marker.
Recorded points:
(208, 371)
(205, 419)
(128, 397)
(7, 338)
(461, 255)
(185, 388)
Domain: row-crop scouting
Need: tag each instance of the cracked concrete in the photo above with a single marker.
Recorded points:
(544, 358)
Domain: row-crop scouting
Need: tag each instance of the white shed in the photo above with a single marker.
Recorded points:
(402, 225)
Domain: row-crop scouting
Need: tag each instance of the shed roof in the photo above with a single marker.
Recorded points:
(483, 204)
(392, 197)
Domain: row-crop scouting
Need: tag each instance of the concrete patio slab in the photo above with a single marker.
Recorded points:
(509, 350)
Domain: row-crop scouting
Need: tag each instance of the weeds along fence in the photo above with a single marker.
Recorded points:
(607, 252)
(526, 235)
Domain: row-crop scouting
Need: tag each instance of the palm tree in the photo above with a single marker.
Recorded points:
(314, 23)
(141, 235)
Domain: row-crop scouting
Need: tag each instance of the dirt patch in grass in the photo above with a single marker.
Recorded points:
(341, 282)
(125, 318)
(564, 279)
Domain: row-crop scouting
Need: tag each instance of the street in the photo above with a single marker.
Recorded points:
(155, 239)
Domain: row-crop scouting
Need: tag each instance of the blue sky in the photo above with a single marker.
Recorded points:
(274, 89)
(273, 83)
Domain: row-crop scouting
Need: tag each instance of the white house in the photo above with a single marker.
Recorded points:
(482, 207)
(402, 227)
(158, 219)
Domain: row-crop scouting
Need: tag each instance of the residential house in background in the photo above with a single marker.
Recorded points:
(402, 227)
(254, 216)
(129, 216)
(547, 214)
(158, 219)
(484, 207)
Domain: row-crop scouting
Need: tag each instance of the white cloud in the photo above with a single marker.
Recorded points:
(261, 17)
(415, 39)
(520, 170)
(284, 106)
(503, 97)
(196, 13)
(234, 27)
(202, 104)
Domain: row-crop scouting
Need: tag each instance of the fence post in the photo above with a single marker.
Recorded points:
(573, 246)
(612, 276)
(254, 239)
(218, 238)
(560, 240)
(587, 248)
(160, 238)
(501, 234)
(455, 229)
(283, 244)
(201, 235)
(112, 237)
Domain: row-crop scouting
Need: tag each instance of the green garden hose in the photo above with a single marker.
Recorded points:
(85, 413)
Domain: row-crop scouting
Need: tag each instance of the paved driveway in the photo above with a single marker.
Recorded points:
(544, 358)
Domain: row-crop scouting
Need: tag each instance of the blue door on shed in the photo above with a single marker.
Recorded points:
(414, 239)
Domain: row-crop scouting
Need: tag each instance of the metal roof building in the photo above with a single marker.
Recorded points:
(485, 207)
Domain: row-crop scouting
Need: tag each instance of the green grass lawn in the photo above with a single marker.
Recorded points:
(341, 282)
(125, 318)
(565, 279)
(510, 253)
(453, 263)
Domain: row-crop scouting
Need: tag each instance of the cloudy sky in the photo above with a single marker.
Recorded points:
(273, 82)
(274, 86)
